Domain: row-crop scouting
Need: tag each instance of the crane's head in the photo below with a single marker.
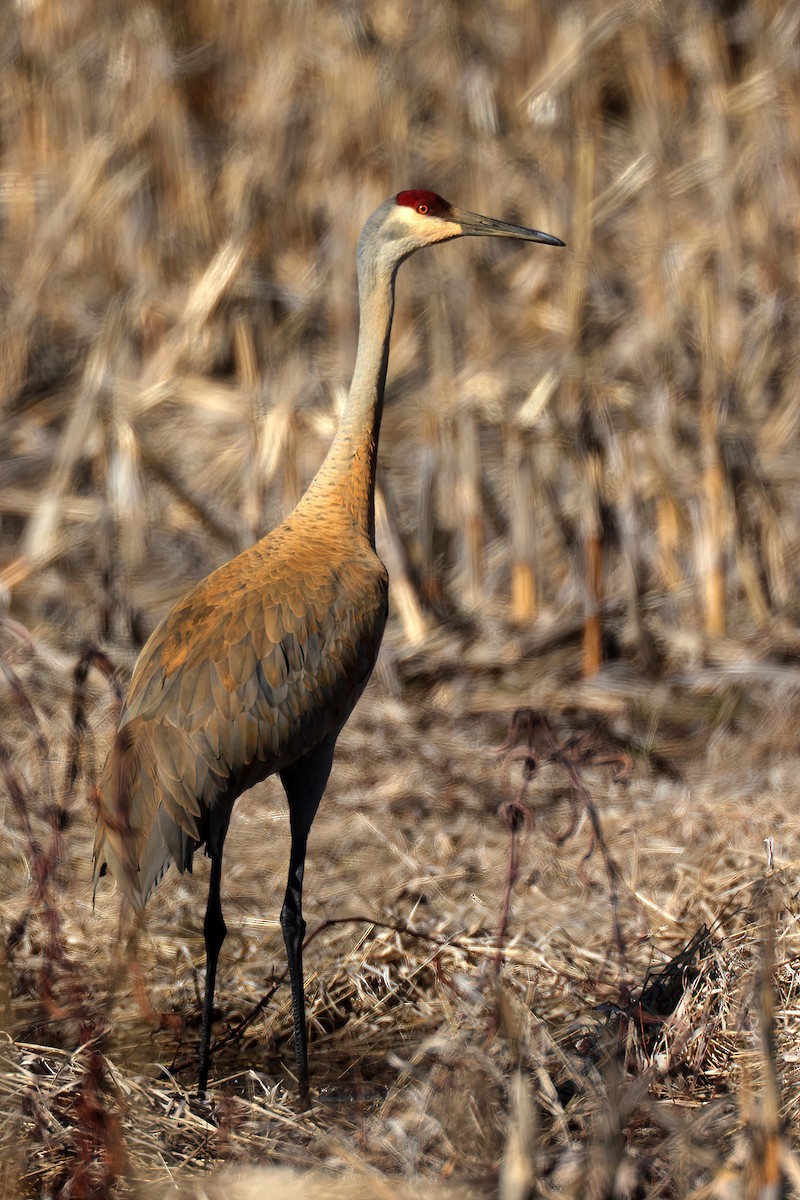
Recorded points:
(418, 218)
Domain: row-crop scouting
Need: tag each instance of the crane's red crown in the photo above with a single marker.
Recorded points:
(424, 202)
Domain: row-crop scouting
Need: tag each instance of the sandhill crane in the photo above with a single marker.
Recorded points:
(256, 670)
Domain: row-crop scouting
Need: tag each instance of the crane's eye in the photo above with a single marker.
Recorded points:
(422, 209)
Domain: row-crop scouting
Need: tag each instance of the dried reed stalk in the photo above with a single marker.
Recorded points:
(522, 520)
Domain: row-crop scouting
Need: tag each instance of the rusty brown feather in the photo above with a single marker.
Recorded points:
(258, 663)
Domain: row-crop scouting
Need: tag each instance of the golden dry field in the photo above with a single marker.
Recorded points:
(549, 956)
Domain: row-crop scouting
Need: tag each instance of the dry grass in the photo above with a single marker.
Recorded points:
(589, 463)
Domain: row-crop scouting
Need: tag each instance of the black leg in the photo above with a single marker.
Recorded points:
(214, 929)
(294, 931)
(304, 783)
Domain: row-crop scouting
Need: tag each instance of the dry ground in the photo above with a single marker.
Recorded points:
(415, 1036)
(590, 472)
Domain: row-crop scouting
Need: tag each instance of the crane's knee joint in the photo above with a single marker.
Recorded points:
(214, 929)
(292, 924)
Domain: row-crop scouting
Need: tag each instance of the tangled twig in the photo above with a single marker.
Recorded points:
(573, 754)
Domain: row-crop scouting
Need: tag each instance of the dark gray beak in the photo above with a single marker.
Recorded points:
(474, 225)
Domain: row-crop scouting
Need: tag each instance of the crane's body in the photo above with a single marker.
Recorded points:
(259, 663)
(256, 670)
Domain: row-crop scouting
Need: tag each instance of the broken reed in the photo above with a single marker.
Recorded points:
(175, 332)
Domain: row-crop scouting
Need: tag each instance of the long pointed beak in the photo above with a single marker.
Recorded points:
(474, 225)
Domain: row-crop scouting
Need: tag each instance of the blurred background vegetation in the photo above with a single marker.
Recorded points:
(588, 479)
(611, 430)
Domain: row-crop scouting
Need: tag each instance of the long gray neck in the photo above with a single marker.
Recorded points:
(347, 475)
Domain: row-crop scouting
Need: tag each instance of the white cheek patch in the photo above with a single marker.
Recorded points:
(410, 218)
(405, 212)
